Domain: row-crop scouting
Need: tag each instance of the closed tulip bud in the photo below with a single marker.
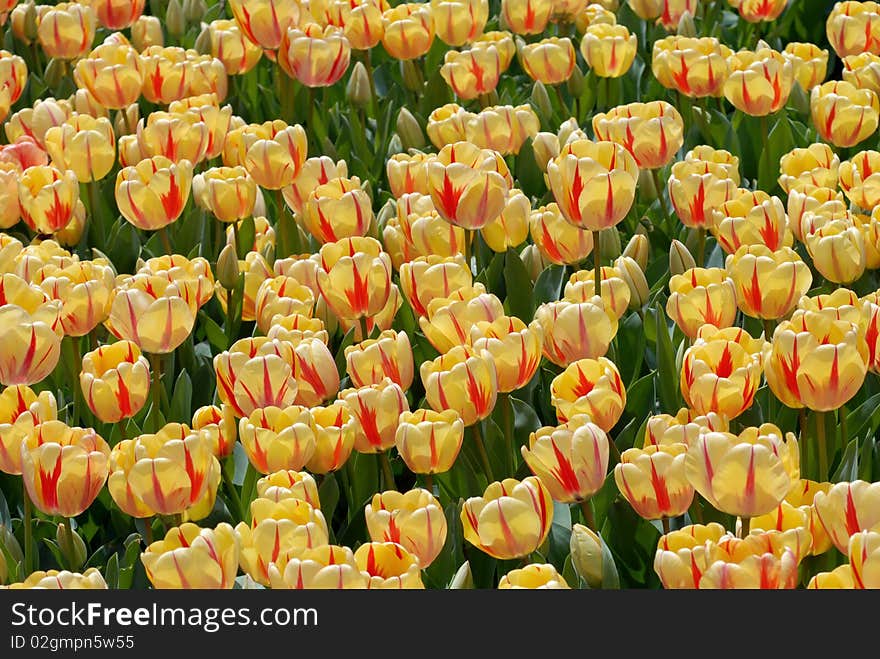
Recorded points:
(545, 147)
(699, 296)
(838, 251)
(721, 371)
(862, 70)
(91, 579)
(614, 289)
(115, 381)
(275, 439)
(266, 21)
(510, 520)
(680, 259)
(558, 240)
(67, 30)
(609, 50)
(809, 63)
(683, 428)
(587, 559)
(146, 31)
(21, 410)
(576, 330)
(541, 100)
(570, 460)
(47, 197)
(388, 566)
(634, 276)
(288, 484)
(357, 89)
(526, 16)
(515, 346)
(413, 519)
(377, 408)
(550, 61)
(255, 269)
(653, 480)
(684, 555)
(469, 186)
(847, 509)
(314, 55)
(446, 125)
(408, 30)
(63, 468)
(31, 345)
(335, 429)
(256, 373)
(327, 566)
(355, 277)
(592, 387)
(817, 166)
(175, 21)
(152, 193)
(696, 67)
(23, 22)
(854, 27)
(503, 128)
(652, 132)
(218, 424)
(429, 441)
(411, 135)
(449, 320)
(768, 284)
(190, 557)
(227, 268)
(843, 114)
(533, 577)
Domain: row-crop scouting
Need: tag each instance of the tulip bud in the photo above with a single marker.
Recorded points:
(175, 20)
(357, 90)
(71, 545)
(541, 100)
(203, 42)
(686, 27)
(586, 548)
(194, 10)
(146, 31)
(576, 82)
(411, 135)
(632, 274)
(609, 244)
(24, 22)
(227, 268)
(680, 259)
(55, 72)
(638, 248)
(8, 547)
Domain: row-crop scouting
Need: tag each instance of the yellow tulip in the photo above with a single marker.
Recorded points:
(377, 409)
(694, 66)
(558, 240)
(683, 428)
(592, 387)
(429, 441)
(768, 284)
(389, 566)
(653, 480)
(843, 114)
(463, 380)
(701, 296)
(265, 21)
(809, 63)
(115, 381)
(189, 557)
(848, 508)
(289, 484)
(471, 73)
(609, 50)
(256, 373)
(67, 30)
(325, 567)
(412, 519)
(335, 428)
(338, 209)
(550, 60)
(112, 74)
(685, 554)
(91, 579)
(229, 193)
(84, 288)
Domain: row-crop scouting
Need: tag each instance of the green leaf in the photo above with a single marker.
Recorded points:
(667, 373)
(181, 402)
(215, 334)
(780, 142)
(640, 395)
(866, 417)
(529, 176)
(247, 232)
(848, 469)
(548, 287)
(519, 287)
(341, 364)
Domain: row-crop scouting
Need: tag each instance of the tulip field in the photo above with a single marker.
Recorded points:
(458, 294)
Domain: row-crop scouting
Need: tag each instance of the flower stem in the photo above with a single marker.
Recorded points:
(363, 325)
(481, 448)
(823, 446)
(166, 241)
(148, 531)
(429, 482)
(27, 521)
(597, 265)
(156, 389)
(665, 521)
(658, 186)
(587, 511)
(745, 526)
(701, 245)
(236, 243)
(507, 419)
(232, 491)
(387, 473)
(769, 328)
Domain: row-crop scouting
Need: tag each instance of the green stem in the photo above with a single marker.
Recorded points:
(481, 449)
(166, 241)
(236, 243)
(507, 419)
(701, 245)
(387, 473)
(659, 187)
(597, 265)
(587, 510)
(429, 482)
(665, 522)
(232, 491)
(148, 531)
(73, 361)
(844, 434)
(363, 326)
(769, 328)
(28, 515)
(287, 92)
(96, 221)
(745, 526)
(121, 425)
(293, 243)
(822, 441)
(765, 153)
(563, 106)
(156, 388)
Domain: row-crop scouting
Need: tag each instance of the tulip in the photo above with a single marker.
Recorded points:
(229, 193)
(84, 145)
(576, 330)
(165, 74)
(115, 381)
(721, 371)
(860, 180)
(21, 410)
(526, 16)
(751, 218)
(408, 30)
(47, 197)
(838, 250)
(193, 277)
(413, 519)
(570, 460)
(389, 566)
(558, 240)
(459, 22)
(170, 472)
(382, 321)
(217, 423)
(511, 228)
(408, 173)
(819, 201)
(256, 271)
(273, 152)
(511, 519)
(463, 380)
(862, 71)
(609, 50)
(647, 10)
(674, 10)
(67, 30)
(63, 468)
(146, 31)
(289, 484)
(178, 136)
(755, 11)
(91, 579)
(429, 441)
(737, 476)
(700, 296)
(776, 569)
(10, 211)
(13, 74)
(589, 386)
(431, 234)
(840, 578)
(325, 567)
(428, 278)
(230, 45)
(853, 28)
(809, 63)
(355, 277)
(112, 74)
(653, 480)
(315, 56)
(338, 209)
(870, 321)
(446, 124)
(256, 373)
(534, 576)
(362, 22)
(335, 428)
(276, 438)
(847, 509)
(841, 304)
(652, 132)
(768, 284)
(153, 193)
(864, 559)
(471, 73)
(759, 82)
(205, 108)
(816, 165)
(683, 428)
(614, 289)
(84, 288)
(190, 557)
(296, 328)
(266, 21)
(695, 67)
(118, 14)
(502, 128)
(279, 297)
(515, 346)
(388, 355)
(550, 61)
(206, 76)
(376, 408)
(843, 114)
(30, 346)
(684, 555)
(450, 320)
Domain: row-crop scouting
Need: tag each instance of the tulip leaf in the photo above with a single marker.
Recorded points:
(631, 341)
(529, 176)
(640, 395)
(215, 334)
(247, 232)
(559, 538)
(111, 572)
(181, 402)
(5, 519)
(866, 462)
(780, 142)
(341, 364)
(667, 374)
(866, 417)
(519, 287)
(610, 577)
(240, 463)
(548, 287)
(848, 469)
